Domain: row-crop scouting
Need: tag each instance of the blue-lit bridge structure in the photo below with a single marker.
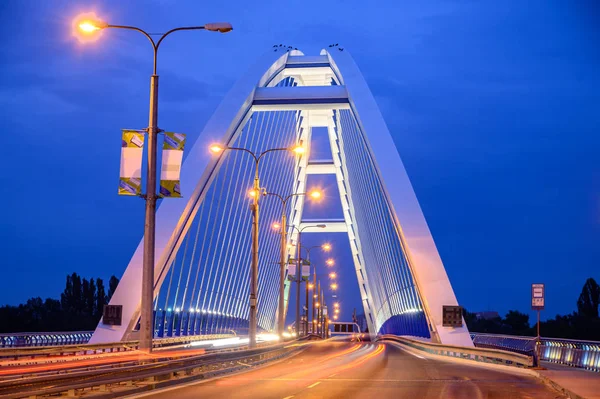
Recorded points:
(202, 272)
(203, 243)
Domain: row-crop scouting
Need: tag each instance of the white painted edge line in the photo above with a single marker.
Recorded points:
(192, 383)
(314, 385)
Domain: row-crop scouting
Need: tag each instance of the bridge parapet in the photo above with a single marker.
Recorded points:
(27, 339)
(573, 353)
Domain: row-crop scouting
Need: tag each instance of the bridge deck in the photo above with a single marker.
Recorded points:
(359, 370)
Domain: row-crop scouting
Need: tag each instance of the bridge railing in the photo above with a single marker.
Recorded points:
(138, 378)
(86, 349)
(15, 340)
(485, 355)
(574, 353)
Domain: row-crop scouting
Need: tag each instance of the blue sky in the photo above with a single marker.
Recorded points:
(493, 107)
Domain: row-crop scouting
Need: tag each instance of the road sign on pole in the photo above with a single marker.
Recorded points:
(538, 292)
(538, 296)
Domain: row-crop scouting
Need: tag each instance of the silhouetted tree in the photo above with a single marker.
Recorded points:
(517, 322)
(79, 308)
(90, 298)
(85, 292)
(77, 302)
(587, 305)
(66, 298)
(100, 298)
(112, 286)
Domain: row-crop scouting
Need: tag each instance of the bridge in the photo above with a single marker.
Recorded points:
(203, 244)
(204, 295)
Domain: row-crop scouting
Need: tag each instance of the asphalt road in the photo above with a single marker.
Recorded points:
(364, 370)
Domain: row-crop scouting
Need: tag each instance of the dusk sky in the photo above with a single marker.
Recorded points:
(494, 108)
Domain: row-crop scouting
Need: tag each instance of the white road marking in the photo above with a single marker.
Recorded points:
(315, 384)
(288, 397)
(332, 375)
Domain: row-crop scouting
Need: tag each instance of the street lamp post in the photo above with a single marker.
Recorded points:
(298, 271)
(89, 26)
(322, 320)
(313, 300)
(319, 304)
(280, 315)
(325, 247)
(308, 287)
(255, 193)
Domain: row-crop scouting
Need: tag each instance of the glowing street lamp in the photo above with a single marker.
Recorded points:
(216, 148)
(326, 247)
(334, 286)
(336, 305)
(299, 149)
(90, 26)
(332, 275)
(316, 194)
(330, 262)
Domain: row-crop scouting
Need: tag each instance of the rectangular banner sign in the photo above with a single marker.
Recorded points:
(305, 272)
(291, 272)
(172, 156)
(132, 149)
(537, 296)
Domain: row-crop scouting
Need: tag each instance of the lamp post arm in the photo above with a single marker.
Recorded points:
(278, 196)
(293, 195)
(143, 32)
(243, 149)
(271, 150)
(177, 29)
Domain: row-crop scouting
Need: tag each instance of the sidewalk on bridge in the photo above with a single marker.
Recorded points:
(577, 383)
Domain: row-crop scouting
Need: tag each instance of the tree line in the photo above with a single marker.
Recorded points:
(582, 324)
(79, 309)
(82, 301)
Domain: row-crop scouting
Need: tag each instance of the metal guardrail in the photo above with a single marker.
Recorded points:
(14, 340)
(518, 344)
(140, 378)
(485, 355)
(573, 353)
(69, 350)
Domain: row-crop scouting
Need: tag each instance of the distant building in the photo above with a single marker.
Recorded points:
(487, 315)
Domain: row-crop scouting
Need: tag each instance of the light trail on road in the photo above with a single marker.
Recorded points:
(333, 369)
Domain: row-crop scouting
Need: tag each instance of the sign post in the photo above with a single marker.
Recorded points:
(538, 296)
